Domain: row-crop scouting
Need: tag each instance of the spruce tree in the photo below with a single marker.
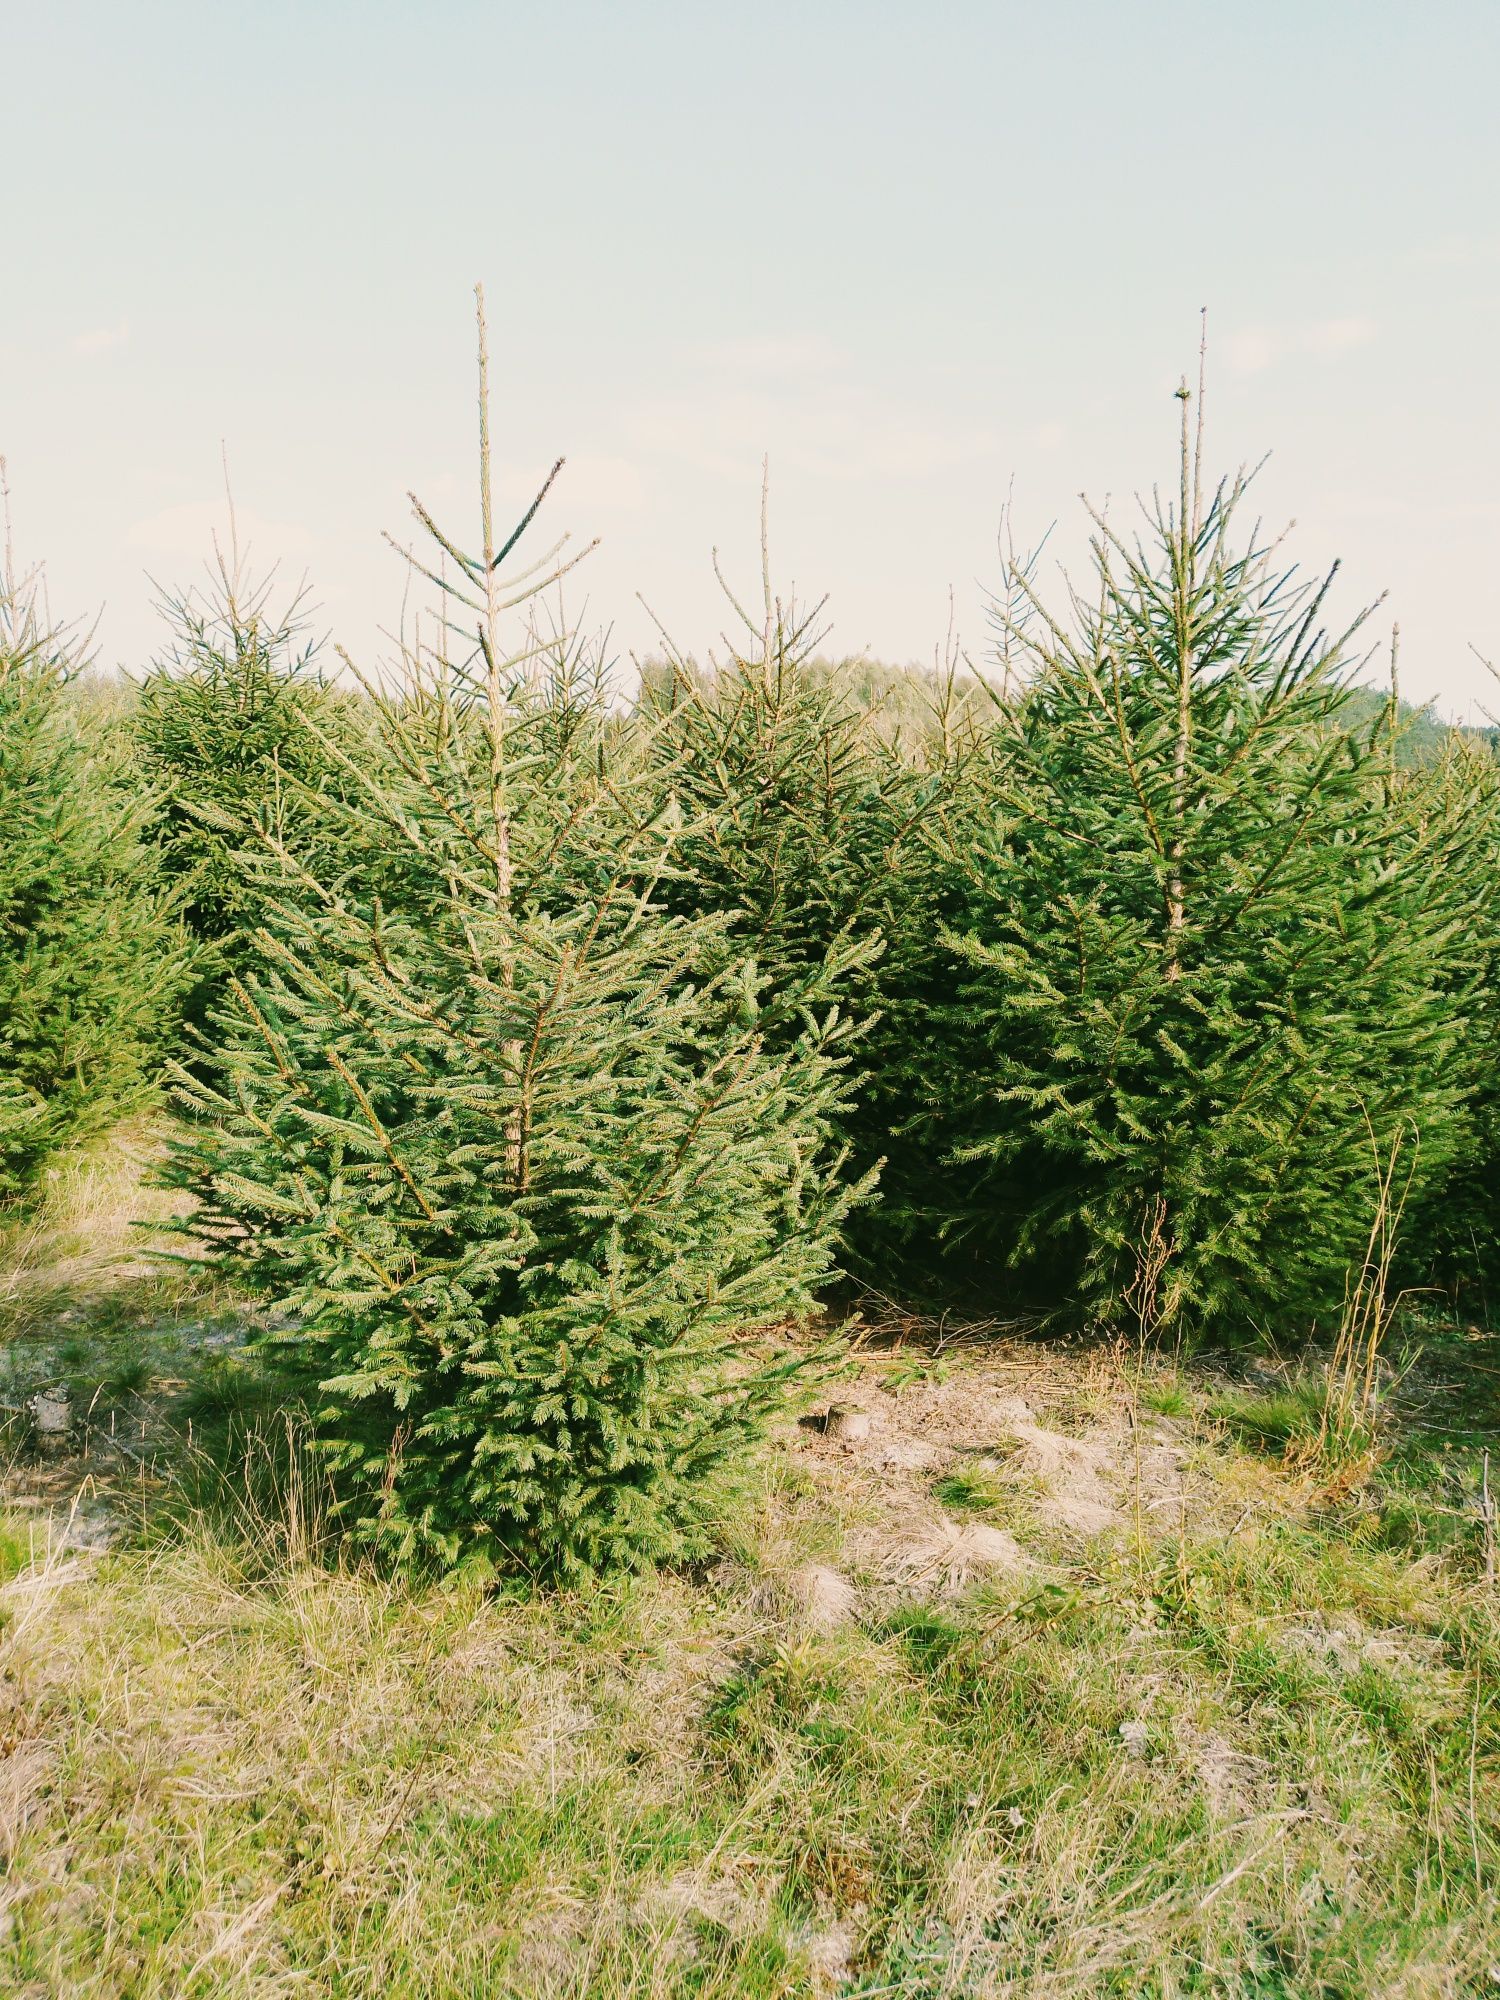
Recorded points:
(1200, 975)
(1452, 1230)
(228, 729)
(506, 1132)
(803, 819)
(91, 954)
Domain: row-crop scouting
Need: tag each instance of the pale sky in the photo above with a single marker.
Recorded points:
(920, 256)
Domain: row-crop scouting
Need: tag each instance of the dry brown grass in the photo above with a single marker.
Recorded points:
(92, 1234)
(1231, 1734)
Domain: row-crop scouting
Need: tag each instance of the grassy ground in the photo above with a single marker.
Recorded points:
(1026, 1671)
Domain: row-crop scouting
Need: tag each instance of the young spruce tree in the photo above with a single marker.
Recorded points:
(229, 729)
(1451, 1237)
(1200, 979)
(92, 956)
(507, 1134)
(804, 820)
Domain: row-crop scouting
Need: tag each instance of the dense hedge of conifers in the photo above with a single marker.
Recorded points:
(539, 1047)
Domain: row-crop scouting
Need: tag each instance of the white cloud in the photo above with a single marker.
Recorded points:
(1257, 348)
(1336, 336)
(798, 397)
(829, 431)
(190, 529)
(100, 339)
(1252, 350)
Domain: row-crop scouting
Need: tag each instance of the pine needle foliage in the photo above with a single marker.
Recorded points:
(92, 956)
(507, 1134)
(1201, 975)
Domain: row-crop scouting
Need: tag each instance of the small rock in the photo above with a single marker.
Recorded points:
(52, 1412)
(848, 1425)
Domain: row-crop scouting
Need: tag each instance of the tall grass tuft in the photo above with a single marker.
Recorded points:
(1351, 1406)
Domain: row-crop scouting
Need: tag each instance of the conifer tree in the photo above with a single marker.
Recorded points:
(91, 954)
(1200, 975)
(228, 727)
(803, 820)
(1452, 1232)
(505, 1131)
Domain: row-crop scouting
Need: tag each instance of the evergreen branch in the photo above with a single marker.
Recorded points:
(342, 1069)
(527, 518)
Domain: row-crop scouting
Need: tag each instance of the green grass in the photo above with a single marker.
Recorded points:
(1245, 1744)
(1167, 1395)
(972, 1490)
(1271, 1419)
(263, 1773)
(17, 1548)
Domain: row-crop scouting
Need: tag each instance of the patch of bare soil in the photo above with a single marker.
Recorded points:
(1054, 1441)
